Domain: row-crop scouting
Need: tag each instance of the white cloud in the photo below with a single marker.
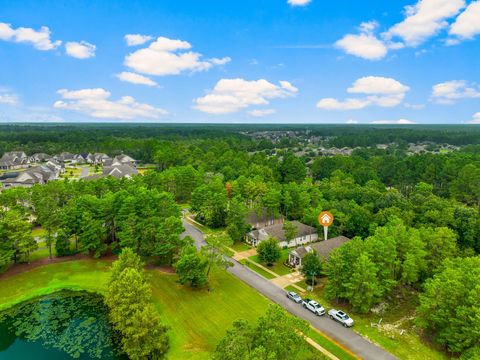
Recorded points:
(80, 50)
(379, 91)
(476, 118)
(423, 20)
(169, 57)
(467, 24)
(299, 2)
(8, 98)
(135, 78)
(450, 91)
(351, 121)
(40, 39)
(137, 39)
(348, 104)
(388, 122)
(96, 103)
(261, 112)
(231, 95)
(365, 45)
(414, 106)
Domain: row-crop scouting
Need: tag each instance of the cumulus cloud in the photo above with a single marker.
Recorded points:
(348, 104)
(231, 95)
(39, 39)
(299, 2)
(450, 91)
(261, 112)
(476, 118)
(351, 121)
(80, 50)
(137, 39)
(365, 45)
(467, 24)
(8, 98)
(96, 103)
(135, 78)
(392, 122)
(169, 57)
(379, 91)
(424, 20)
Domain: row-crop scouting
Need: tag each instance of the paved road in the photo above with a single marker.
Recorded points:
(85, 172)
(347, 337)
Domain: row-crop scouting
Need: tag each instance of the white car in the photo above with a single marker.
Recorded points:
(314, 307)
(294, 297)
(341, 317)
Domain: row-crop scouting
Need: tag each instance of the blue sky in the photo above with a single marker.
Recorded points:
(256, 61)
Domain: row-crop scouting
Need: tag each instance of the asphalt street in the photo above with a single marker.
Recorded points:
(347, 337)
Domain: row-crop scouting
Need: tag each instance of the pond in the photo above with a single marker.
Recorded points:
(64, 325)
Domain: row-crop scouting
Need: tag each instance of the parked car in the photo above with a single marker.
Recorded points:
(314, 307)
(341, 317)
(294, 297)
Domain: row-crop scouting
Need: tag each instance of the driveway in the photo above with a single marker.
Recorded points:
(350, 339)
(85, 172)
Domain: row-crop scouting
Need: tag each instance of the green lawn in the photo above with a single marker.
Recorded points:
(407, 345)
(91, 275)
(240, 246)
(257, 269)
(279, 268)
(198, 318)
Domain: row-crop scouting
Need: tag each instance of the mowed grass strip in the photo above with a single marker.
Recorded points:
(257, 269)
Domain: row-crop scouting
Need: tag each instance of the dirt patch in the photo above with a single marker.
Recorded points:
(163, 269)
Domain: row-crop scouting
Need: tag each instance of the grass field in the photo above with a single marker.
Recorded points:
(279, 268)
(198, 318)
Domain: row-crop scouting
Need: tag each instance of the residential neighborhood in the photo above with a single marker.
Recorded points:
(39, 168)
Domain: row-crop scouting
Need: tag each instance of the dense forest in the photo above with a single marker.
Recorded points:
(414, 219)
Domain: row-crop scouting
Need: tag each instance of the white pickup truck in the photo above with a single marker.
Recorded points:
(341, 317)
(314, 307)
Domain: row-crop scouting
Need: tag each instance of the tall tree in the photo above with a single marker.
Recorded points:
(290, 230)
(191, 267)
(449, 307)
(269, 251)
(311, 266)
(216, 251)
(363, 287)
(131, 311)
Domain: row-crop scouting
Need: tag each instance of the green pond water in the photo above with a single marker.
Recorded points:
(63, 325)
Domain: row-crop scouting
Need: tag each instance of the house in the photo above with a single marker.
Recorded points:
(39, 158)
(120, 171)
(56, 166)
(322, 248)
(100, 158)
(305, 234)
(124, 159)
(14, 160)
(260, 219)
(34, 175)
(65, 157)
(120, 160)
